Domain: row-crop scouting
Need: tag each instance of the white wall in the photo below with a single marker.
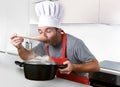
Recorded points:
(3, 25)
(102, 40)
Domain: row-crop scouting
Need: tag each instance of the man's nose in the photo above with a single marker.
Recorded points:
(44, 34)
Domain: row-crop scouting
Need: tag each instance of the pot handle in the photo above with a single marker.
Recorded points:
(62, 66)
(21, 64)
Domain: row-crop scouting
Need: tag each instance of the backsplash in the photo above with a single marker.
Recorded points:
(102, 40)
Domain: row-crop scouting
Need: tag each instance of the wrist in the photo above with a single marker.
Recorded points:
(73, 67)
(20, 47)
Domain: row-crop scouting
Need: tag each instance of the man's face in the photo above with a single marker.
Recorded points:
(49, 34)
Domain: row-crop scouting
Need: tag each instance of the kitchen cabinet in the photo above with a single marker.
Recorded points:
(17, 21)
(109, 11)
(80, 11)
(17, 16)
(32, 15)
(3, 25)
(85, 11)
(14, 18)
(75, 11)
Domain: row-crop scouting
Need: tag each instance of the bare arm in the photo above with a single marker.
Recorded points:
(91, 66)
(25, 54)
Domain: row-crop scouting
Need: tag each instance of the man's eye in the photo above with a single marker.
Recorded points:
(48, 31)
(40, 31)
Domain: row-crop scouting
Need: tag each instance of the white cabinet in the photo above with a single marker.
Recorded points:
(80, 11)
(75, 11)
(85, 11)
(32, 15)
(110, 11)
(17, 21)
(3, 24)
(16, 16)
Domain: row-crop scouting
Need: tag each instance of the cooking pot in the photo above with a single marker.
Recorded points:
(37, 70)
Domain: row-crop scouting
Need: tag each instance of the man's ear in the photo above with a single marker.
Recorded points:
(59, 30)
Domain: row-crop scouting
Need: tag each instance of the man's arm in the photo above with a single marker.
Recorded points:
(25, 54)
(91, 66)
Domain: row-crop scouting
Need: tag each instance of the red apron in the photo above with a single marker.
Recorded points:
(71, 76)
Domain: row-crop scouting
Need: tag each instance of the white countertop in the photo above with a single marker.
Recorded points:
(13, 76)
(110, 71)
(110, 67)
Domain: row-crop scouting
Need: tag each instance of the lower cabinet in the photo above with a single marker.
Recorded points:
(100, 79)
(97, 83)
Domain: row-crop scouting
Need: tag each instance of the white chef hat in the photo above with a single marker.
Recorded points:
(49, 13)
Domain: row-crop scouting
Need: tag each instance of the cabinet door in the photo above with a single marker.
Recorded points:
(17, 20)
(80, 11)
(110, 11)
(32, 15)
(3, 24)
(75, 11)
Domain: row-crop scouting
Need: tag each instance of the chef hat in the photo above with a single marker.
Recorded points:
(49, 13)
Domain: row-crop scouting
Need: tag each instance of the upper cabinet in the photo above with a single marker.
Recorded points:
(75, 11)
(109, 11)
(32, 15)
(85, 11)
(80, 11)
(17, 21)
(3, 24)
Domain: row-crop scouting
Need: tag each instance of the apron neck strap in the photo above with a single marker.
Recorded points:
(63, 44)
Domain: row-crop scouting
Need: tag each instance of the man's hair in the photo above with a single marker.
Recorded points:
(56, 28)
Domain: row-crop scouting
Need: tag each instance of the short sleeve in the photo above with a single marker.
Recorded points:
(82, 53)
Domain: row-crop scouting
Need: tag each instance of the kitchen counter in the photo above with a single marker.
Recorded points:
(110, 67)
(110, 71)
(13, 76)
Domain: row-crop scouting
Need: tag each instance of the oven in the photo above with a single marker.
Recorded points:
(108, 76)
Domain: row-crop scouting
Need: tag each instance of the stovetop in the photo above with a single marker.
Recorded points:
(110, 65)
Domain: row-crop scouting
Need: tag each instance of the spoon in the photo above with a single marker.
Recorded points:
(30, 37)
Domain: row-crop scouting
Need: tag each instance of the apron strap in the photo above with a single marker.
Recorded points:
(64, 45)
(73, 77)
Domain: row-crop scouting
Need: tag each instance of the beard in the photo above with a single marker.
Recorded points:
(52, 41)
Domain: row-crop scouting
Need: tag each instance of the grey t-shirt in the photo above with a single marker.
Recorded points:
(76, 51)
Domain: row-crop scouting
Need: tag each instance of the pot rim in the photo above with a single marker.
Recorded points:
(39, 62)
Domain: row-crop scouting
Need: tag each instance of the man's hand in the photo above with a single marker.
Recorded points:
(91, 66)
(16, 40)
(68, 69)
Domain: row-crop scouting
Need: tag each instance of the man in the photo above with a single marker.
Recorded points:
(61, 47)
